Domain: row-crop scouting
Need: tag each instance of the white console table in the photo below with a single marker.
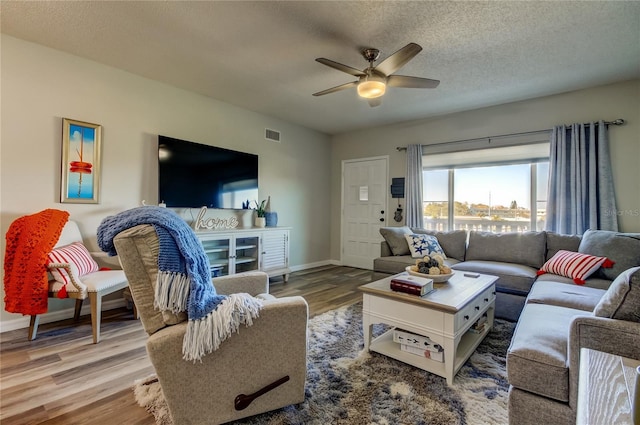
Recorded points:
(233, 251)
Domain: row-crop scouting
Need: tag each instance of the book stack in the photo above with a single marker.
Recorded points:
(479, 326)
(418, 344)
(409, 284)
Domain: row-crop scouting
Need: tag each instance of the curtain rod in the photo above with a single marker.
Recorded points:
(618, 121)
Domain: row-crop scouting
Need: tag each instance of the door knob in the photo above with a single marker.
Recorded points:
(382, 212)
(382, 219)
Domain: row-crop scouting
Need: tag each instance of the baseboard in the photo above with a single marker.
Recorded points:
(54, 316)
(316, 264)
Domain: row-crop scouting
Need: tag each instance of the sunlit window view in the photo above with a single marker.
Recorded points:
(494, 198)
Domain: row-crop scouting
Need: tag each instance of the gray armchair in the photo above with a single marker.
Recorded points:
(258, 369)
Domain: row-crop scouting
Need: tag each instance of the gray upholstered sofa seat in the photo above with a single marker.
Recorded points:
(513, 278)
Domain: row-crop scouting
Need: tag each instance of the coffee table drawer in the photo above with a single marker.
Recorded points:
(405, 314)
(472, 311)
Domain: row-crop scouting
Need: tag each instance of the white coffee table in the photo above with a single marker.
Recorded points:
(445, 316)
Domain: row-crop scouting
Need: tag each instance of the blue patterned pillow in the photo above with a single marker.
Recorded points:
(421, 245)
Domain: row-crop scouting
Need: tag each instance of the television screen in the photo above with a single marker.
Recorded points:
(193, 175)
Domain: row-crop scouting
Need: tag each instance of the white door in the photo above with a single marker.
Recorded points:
(364, 209)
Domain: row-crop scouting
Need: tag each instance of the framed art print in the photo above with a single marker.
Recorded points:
(80, 182)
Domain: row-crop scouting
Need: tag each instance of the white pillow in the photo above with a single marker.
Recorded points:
(421, 245)
(77, 256)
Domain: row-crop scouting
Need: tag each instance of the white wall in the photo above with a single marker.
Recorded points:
(608, 102)
(40, 86)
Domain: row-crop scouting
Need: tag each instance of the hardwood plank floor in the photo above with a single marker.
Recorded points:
(63, 378)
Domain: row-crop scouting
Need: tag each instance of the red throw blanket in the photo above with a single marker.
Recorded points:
(29, 241)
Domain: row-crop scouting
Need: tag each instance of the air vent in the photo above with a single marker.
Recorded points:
(272, 135)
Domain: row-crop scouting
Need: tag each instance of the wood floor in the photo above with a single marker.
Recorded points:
(63, 378)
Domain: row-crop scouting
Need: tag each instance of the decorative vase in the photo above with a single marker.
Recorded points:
(271, 219)
(260, 222)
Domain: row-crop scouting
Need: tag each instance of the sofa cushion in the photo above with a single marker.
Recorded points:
(565, 295)
(574, 265)
(537, 359)
(454, 242)
(622, 248)
(421, 245)
(396, 240)
(557, 241)
(592, 282)
(513, 278)
(622, 300)
(527, 248)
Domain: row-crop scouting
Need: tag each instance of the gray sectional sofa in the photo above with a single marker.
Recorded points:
(514, 257)
(556, 317)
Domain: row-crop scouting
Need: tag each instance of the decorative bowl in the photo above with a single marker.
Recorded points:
(437, 278)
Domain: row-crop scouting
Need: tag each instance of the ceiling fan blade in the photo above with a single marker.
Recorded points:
(336, 88)
(341, 67)
(398, 59)
(375, 102)
(411, 82)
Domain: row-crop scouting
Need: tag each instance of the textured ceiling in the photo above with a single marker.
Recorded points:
(260, 55)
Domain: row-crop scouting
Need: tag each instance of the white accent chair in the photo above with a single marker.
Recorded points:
(93, 285)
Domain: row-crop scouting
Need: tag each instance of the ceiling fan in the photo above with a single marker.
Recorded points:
(373, 80)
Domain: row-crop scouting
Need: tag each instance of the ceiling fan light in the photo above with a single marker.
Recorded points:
(371, 88)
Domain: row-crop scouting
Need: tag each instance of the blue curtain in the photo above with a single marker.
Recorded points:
(413, 186)
(581, 192)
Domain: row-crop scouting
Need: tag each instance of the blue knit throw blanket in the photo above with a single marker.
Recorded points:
(184, 280)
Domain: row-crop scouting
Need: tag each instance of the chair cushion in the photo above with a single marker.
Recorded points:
(537, 360)
(621, 248)
(100, 281)
(622, 299)
(396, 240)
(79, 259)
(421, 245)
(575, 265)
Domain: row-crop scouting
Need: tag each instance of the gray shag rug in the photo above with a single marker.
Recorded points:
(346, 385)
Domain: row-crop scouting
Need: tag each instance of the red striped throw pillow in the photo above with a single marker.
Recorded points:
(575, 265)
(77, 256)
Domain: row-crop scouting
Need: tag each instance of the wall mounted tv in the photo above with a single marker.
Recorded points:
(193, 175)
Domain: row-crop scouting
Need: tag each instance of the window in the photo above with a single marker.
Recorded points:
(498, 190)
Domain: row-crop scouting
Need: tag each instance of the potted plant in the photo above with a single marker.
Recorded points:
(260, 220)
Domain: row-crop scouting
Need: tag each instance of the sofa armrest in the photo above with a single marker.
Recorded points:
(385, 250)
(273, 347)
(252, 283)
(618, 337)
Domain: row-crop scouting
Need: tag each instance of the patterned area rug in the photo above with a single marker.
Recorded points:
(346, 385)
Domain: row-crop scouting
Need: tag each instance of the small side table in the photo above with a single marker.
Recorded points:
(606, 388)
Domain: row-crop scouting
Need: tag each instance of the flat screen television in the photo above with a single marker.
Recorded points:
(193, 175)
